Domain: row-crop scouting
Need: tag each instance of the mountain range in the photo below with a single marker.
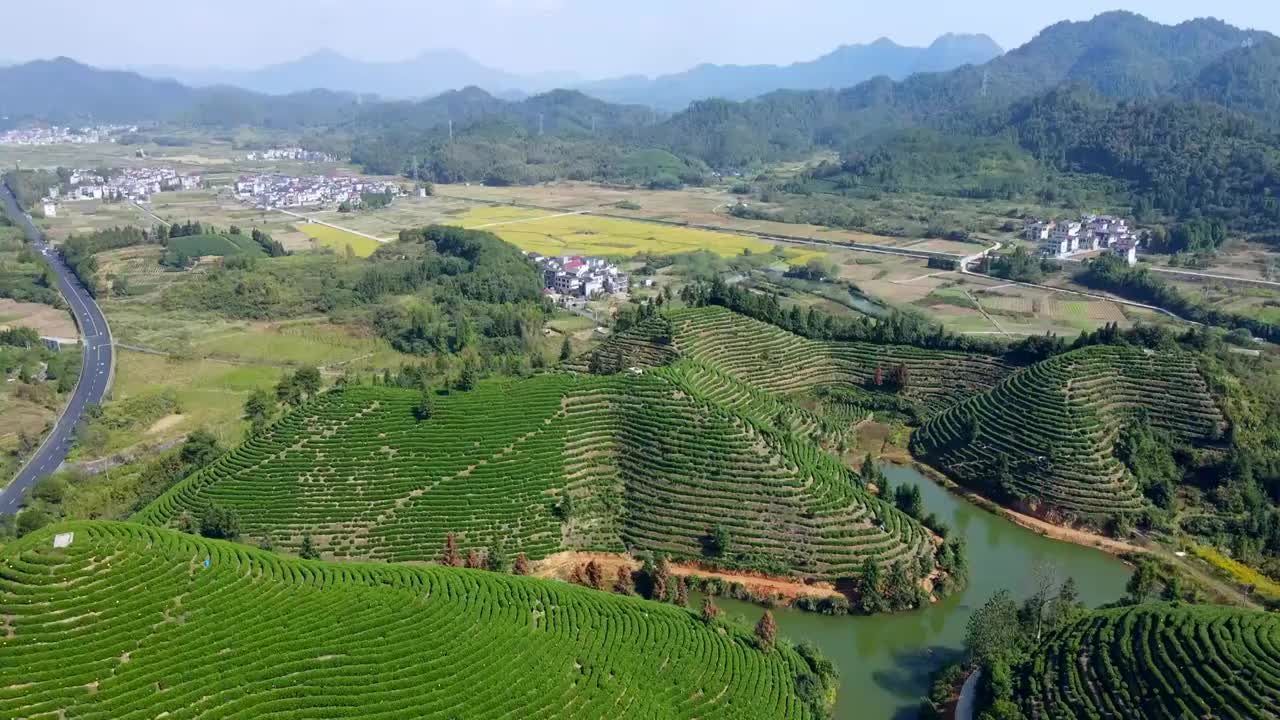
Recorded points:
(846, 66)
(437, 71)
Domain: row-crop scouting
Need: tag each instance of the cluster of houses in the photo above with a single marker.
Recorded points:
(291, 153)
(55, 135)
(285, 191)
(1091, 233)
(135, 184)
(580, 277)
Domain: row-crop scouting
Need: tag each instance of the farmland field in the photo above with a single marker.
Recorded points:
(366, 479)
(167, 624)
(339, 240)
(551, 234)
(1154, 662)
(208, 244)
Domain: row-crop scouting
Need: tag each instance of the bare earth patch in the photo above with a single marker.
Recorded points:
(561, 565)
(46, 320)
(165, 423)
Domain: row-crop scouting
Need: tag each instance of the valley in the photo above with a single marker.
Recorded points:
(904, 382)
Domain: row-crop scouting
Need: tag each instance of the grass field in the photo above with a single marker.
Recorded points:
(339, 240)
(129, 621)
(546, 233)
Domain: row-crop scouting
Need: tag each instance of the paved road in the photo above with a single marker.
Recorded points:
(95, 377)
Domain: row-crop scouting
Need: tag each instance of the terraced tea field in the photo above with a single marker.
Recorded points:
(779, 362)
(131, 621)
(1056, 422)
(1157, 662)
(647, 464)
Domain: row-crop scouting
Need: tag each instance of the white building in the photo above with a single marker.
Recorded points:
(50, 210)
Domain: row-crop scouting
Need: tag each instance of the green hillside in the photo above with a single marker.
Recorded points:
(644, 464)
(1046, 434)
(1156, 662)
(779, 362)
(131, 621)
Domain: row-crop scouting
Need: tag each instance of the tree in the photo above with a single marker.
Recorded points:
(624, 583)
(682, 592)
(1173, 590)
(1142, 584)
(467, 380)
(717, 540)
(709, 610)
(566, 350)
(199, 449)
(258, 407)
(659, 578)
(288, 390)
(188, 524)
(767, 630)
(595, 575)
(308, 551)
(993, 631)
(308, 381)
(219, 523)
(426, 406)
(30, 520)
(495, 560)
(871, 588)
(474, 561)
(908, 500)
(450, 556)
(521, 566)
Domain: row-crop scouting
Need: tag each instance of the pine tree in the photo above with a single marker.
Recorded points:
(624, 584)
(522, 565)
(450, 556)
(709, 610)
(566, 350)
(767, 630)
(595, 575)
(308, 551)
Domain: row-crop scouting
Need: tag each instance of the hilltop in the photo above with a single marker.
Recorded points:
(129, 620)
(1047, 434)
(1155, 661)
(554, 462)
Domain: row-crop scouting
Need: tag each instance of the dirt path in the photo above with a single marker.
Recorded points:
(561, 565)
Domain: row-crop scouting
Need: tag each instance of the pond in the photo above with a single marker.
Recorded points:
(885, 661)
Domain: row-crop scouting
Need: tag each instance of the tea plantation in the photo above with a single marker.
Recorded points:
(777, 361)
(1052, 427)
(132, 621)
(1157, 662)
(553, 462)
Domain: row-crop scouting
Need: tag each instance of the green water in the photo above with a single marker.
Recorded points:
(885, 661)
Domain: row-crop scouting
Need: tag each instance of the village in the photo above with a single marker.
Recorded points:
(291, 153)
(132, 184)
(56, 135)
(285, 191)
(569, 278)
(1091, 233)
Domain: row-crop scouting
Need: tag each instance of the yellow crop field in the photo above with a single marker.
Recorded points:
(340, 240)
(570, 234)
(1242, 573)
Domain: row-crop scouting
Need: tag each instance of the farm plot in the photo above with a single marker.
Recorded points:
(1156, 661)
(1046, 433)
(131, 621)
(570, 234)
(339, 240)
(211, 244)
(645, 465)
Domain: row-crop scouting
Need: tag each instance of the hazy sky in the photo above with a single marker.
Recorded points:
(594, 38)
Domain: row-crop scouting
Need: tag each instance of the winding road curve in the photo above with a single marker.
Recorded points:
(95, 375)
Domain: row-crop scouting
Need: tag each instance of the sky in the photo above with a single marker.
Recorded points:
(592, 38)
